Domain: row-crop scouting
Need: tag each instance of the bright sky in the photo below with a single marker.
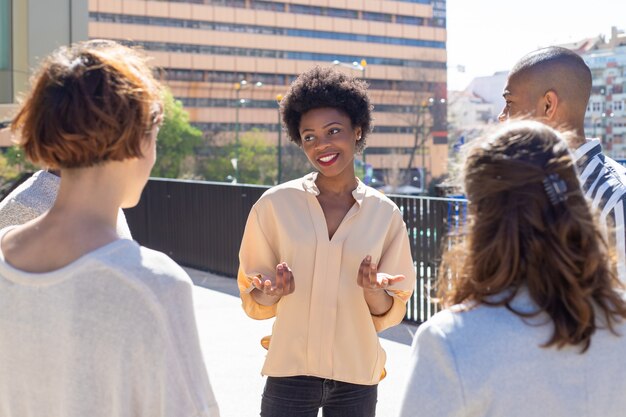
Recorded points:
(486, 36)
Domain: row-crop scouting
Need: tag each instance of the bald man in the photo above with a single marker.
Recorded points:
(553, 85)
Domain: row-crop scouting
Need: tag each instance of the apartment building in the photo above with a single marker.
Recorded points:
(206, 48)
(606, 111)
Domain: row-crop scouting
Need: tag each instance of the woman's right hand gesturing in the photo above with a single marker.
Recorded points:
(268, 291)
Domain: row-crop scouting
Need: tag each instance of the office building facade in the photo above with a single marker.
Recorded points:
(205, 48)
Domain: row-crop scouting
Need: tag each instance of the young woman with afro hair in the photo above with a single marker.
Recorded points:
(329, 257)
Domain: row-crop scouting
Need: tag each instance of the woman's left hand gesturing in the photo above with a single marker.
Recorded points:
(369, 279)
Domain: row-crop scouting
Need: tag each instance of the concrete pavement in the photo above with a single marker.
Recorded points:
(234, 356)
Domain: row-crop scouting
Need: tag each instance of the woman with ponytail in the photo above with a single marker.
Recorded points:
(534, 324)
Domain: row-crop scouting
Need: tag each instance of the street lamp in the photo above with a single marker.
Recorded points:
(239, 102)
(357, 66)
(279, 98)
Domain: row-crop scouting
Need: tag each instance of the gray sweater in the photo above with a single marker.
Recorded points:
(112, 334)
(34, 197)
(488, 362)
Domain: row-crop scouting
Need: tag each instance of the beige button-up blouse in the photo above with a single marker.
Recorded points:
(324, 328)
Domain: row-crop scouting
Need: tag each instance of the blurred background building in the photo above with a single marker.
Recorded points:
(606, 112)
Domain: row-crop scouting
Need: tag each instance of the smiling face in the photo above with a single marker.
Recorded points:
(329, 141)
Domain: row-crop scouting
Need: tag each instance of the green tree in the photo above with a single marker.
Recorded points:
(16, 159)
(214, 161)
(177, 139)
(295, 163)
(7, 170)
(257, 160)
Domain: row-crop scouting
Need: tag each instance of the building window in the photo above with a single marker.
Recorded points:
(438, 22)
(596, 106)
(345, 13)
(439, 8)
(379, 17)
(597, 73)
(265, 30)
(299, 8)
(229, 3)
(410, 20)
(268, 53)
(618, 105)
(268, 5)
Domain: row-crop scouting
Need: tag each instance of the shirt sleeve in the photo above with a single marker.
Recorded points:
(616, 223)
(434, 387)
(396, 259)
(256, 258)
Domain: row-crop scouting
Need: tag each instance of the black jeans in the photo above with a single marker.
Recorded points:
(302, 396)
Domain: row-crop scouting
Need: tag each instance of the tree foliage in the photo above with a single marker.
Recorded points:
(176, 141)
(255, 158)
(7, 169)
(294, 163)
(17, 161)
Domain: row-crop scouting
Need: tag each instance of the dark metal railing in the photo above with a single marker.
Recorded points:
(200, 224)
(432, 224)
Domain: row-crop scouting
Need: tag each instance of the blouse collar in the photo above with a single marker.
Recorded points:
(311, 187)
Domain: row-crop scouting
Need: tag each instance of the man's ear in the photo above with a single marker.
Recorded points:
(550, 104)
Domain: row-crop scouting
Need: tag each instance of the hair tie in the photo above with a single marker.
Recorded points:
(556, 188)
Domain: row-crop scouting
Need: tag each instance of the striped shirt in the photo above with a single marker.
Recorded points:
(604, 182)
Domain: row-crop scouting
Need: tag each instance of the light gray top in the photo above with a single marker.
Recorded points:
(488, 362)
(34, 197)
(111, 334)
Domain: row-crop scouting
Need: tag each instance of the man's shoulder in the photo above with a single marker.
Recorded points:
(602, 178)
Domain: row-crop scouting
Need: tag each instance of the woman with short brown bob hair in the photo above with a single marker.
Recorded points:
(535, 318)
(92, 324)
(93, 104)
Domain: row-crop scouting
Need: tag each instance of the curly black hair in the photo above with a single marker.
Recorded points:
(327, 87)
